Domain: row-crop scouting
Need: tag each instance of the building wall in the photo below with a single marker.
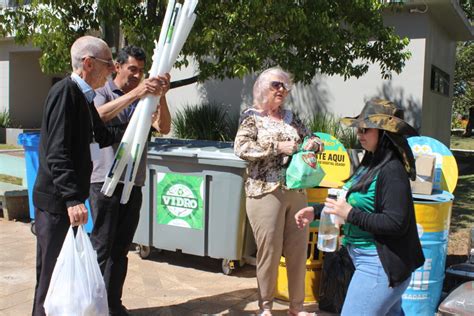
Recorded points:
(4, 85)
(29, 90)
(7, 45)
(23, 87)
(437, 108)
(234, 94)
(346, 98)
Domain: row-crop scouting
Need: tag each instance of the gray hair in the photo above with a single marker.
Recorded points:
(86, 46)
(262, 84)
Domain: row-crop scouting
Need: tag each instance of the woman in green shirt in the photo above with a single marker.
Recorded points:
(380, 233)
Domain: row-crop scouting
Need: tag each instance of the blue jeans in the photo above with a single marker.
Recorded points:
(369, 293)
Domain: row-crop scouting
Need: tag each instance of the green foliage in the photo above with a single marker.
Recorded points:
(51, 26)
(208, 121)
(230, 38)
(305, 37)
(463, 81)
(456, 122)
(329, 124)
(5, 120)
(468, 8)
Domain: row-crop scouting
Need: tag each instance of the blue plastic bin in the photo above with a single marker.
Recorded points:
(30, 142)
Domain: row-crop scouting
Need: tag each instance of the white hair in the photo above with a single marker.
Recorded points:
(86, 46)
(262, 85)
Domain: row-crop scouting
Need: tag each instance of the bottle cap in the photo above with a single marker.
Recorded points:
(337, 193)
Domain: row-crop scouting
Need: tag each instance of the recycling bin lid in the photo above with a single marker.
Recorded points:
(194, 149)
(438, 196)
(459, 301)
(30, 139)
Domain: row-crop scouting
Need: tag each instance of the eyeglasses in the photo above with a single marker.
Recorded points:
(362, 130)
(278, 84)
(108, 62)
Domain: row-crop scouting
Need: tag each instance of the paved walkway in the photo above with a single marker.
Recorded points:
(167, 283)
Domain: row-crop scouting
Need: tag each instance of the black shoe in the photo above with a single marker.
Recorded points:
(121, 311)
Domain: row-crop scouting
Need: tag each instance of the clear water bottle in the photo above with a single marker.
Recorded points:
(328, 229)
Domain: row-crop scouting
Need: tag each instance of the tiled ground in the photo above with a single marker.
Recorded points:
(167, 283)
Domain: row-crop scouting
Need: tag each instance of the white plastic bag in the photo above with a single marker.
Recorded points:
(77, 287)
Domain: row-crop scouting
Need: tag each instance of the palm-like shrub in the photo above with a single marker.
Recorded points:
(329, 124)
(5, 120)
(208, 121)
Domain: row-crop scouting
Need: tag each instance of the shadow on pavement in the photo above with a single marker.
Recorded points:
(231, 303)
(198, 262)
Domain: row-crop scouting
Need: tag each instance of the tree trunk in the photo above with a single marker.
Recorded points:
(151, 7)
(111, 31)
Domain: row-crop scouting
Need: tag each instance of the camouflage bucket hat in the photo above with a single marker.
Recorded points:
(381, 114)
(384, 115)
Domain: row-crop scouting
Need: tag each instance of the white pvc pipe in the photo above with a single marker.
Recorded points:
(192, 7)
(161, 41)
(164, 65)
(149, 107)
(181, 36)
(136, 150)
(122, 155)
(177, 24)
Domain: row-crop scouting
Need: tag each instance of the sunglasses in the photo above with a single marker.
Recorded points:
(362, 130)
(108, 62)
(278, 84)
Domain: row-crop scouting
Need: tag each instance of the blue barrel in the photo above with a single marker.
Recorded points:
(30, 142)
(88, 227)
(424, 292)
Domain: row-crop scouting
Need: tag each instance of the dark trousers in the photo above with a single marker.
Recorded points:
(51, 229)
(114, 227)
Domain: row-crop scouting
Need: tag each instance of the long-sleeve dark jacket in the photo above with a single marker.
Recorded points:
(393, 223)
(68, 126)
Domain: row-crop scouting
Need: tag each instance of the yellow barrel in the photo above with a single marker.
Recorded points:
(314, 257)
(317, 195)
(313, 272)
(433, 217)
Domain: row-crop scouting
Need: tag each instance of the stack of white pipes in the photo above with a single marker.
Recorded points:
(177, 24)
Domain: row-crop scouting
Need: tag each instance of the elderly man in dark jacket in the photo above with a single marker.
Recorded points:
(71, 128)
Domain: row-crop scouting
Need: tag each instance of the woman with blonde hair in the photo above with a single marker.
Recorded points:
(267, 137)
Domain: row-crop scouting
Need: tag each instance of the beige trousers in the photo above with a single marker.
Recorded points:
(272, 220)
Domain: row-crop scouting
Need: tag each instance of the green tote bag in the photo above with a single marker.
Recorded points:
(304, 171)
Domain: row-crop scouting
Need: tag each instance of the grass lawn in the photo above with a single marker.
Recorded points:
(7, 146)
(10, 179)
(462, 218)
(458, 142)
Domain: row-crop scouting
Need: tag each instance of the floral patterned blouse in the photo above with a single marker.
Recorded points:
(256, 141)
